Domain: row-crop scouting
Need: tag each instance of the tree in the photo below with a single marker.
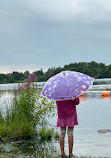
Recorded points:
(26, 74)
(17, 76)
(3, 78)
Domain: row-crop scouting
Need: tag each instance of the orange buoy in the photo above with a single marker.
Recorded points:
(105, 93)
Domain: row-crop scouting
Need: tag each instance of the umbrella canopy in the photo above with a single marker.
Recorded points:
(67, 85)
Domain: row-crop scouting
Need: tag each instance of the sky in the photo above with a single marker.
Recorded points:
(37, 34)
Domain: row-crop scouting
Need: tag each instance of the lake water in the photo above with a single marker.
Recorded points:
(94, 113)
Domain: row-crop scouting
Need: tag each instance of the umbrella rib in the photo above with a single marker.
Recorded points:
(68, 87)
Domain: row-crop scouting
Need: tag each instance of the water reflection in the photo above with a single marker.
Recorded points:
(6, 99)
(106, 97)
(34, 148)
(83, 98)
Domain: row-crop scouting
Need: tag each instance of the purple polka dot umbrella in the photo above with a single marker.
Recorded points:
(67, 85)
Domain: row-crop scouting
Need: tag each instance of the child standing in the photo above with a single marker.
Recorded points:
(67, 117)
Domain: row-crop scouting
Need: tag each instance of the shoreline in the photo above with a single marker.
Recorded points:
(12, 155)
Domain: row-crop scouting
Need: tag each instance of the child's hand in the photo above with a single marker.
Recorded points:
(76, 101)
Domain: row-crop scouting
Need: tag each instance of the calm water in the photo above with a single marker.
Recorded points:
(94, 113)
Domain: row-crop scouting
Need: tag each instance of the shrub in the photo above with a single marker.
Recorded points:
(27, 111)
(46, 134)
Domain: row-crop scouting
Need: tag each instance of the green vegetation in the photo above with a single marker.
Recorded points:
(34, 148)
(46, 133)
(27, 112)
(94, 69)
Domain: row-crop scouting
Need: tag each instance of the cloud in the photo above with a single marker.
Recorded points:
(54, 32)
(20, 11)
(68, 9)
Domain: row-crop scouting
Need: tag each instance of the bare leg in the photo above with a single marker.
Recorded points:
(70, 139)
(62, 145)
(61, 138)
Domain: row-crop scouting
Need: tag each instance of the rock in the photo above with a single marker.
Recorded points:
(103, 131)
(18, 142)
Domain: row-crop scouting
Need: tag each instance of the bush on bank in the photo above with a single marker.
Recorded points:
(27, 112)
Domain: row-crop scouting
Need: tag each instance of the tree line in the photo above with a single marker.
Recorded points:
(94, 69)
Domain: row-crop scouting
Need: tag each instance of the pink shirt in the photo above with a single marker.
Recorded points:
(66, 108)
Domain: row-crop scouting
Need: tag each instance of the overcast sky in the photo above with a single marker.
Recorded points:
(37, 34)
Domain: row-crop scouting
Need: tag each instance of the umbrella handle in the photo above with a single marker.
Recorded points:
(73, 98)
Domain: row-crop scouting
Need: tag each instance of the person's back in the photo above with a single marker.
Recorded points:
(66, 108)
